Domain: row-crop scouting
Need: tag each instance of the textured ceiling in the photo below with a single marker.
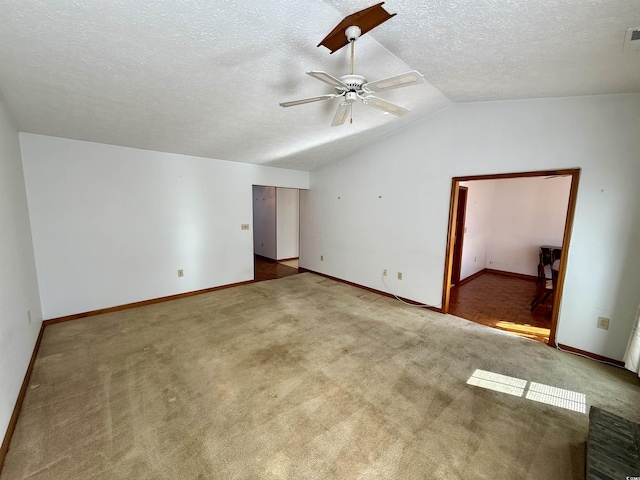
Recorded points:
(205, 78)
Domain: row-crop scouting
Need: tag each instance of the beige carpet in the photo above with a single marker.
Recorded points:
(299, 378)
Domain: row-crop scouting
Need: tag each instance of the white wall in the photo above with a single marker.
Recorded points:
(112, 225)
(478, 226)
(527, 213)
(511, 223)
(18, 282)
(264, 221)
(288, 222)
(394, 203)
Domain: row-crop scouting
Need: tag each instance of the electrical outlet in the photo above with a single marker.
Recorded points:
(384, 272)
(181, 273)
(603, 323)
(399, 275)
(322, 258)
(244, 226)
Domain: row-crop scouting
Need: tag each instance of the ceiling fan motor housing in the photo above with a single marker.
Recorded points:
(354, 82)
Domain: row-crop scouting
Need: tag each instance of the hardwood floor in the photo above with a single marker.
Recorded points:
(502, 302)
(267, 269)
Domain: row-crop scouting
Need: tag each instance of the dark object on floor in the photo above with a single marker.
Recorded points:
(613, 447)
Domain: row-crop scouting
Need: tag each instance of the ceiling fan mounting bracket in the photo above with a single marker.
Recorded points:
(353, 33)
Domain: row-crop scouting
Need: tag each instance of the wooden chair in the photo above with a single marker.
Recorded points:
(547, 275)
(545, 285)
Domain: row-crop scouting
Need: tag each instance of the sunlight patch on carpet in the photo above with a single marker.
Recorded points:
(558, 397)
(497, 382)
(537, 392)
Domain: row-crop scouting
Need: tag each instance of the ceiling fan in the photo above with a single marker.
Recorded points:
(351, 87)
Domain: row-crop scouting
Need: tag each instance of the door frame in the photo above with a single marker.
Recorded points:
(568, 228)
(459, 235)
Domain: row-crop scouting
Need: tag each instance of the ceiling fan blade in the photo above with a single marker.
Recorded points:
(402, 80)
(384, 105)
(308, 100)
(341, 114)
(330, 79)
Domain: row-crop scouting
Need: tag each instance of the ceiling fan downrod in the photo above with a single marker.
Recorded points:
(353, 33)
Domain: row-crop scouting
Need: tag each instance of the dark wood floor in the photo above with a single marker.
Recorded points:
(502, 302)
(266, 269)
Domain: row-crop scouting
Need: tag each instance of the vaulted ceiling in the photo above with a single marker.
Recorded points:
(205, 78)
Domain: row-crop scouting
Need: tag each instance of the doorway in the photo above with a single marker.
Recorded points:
(456, 226)
(276, 231)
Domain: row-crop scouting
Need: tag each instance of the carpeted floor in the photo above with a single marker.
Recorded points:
(299, 378)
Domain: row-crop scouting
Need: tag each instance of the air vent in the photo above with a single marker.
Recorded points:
(632, 40)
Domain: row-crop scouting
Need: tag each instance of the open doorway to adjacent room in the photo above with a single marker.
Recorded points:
(507, 248)
(276, 231)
